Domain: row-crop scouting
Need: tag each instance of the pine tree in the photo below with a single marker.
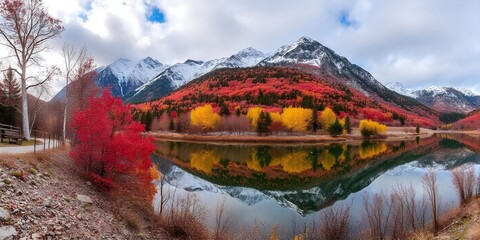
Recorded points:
(9, 89)
(148, 120)
(224, 111)
(335, 128)
(263, 123)
(417, 129)
(347, 126)
(171, 126)
(314, 121)
(9, 98)
(238, 112)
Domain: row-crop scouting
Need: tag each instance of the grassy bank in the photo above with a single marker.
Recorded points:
(393, 134)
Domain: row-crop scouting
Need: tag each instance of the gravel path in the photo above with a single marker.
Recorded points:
(14, 149)
(45, 199)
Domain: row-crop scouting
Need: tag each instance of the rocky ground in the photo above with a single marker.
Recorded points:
(42, 197)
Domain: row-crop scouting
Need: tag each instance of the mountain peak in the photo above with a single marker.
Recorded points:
(150, 61)
(191, 61)
(305, 39)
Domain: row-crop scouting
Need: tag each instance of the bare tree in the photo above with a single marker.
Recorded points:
(26, 27)
(223, 221)
(464, 181)
(72, 59)
(378, 214)
(335, 222)
(430, 187)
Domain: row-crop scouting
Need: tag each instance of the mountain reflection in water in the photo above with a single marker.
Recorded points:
(307, 179)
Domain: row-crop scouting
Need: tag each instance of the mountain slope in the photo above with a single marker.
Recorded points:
(277, 87)
(181, 73)
(442, 99)
(123, 76)
(311, 56)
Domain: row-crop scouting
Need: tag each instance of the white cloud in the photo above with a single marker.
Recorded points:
(419, 43)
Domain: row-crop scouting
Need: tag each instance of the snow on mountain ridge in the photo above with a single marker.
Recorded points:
(443, 99)
(182, 73)
(137, 72)
(399, 88)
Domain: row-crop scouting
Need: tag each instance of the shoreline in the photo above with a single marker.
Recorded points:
(395, 134)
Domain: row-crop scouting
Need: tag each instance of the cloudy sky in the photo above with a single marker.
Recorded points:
(417, 43)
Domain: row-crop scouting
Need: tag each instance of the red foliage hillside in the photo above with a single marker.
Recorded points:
(277, 87)
(471, 122)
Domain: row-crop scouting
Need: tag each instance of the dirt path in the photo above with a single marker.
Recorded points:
(15, 149)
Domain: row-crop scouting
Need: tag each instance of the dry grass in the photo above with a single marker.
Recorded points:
(132, 220)
(248, 138)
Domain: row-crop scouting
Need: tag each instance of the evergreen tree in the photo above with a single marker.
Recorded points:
(348, 125)
(148, 120)
(417, 129)
(263, 124)
(9, 98)
(335, 128)
(314, 121)
(171, 126)
(238, 112)
(224, 111)
(402, 120)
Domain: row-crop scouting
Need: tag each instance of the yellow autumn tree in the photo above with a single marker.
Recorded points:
(204, 160)
(372, 149)
(296, 119)
(204, 117)
(276, 117)
(294, 162)
(327, 117)
(252, 116)
(370, 128)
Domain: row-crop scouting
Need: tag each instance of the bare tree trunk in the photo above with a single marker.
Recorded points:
(64, 130)
(25, 122)
(429, 180)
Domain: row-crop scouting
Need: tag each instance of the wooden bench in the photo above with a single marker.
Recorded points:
(12, 133)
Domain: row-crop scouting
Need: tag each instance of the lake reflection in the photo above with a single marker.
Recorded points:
(278, 183)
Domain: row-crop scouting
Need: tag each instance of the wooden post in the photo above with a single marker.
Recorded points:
(44, 141)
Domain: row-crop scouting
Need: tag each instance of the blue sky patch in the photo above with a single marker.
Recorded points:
(344, 19)
(156, 15)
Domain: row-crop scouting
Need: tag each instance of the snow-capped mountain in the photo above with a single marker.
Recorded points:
(442, 99)
(181, 73)
(399, 88)
(245, 58)
(124, 75)
(311, 56)
(306, 51)
(170, 79)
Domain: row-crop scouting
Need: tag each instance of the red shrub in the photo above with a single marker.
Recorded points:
(109, 142)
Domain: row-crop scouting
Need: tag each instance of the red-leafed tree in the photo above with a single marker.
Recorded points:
(109, 143)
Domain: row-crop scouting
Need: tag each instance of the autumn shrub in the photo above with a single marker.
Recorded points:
(327, 117)
(370, 128)
(252, 115)
(463, 180)
(109, 143)
(204, 117)
(335, 128)
(335, 222)
(296, 119)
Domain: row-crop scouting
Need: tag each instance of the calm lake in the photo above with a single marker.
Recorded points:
(289, 186)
